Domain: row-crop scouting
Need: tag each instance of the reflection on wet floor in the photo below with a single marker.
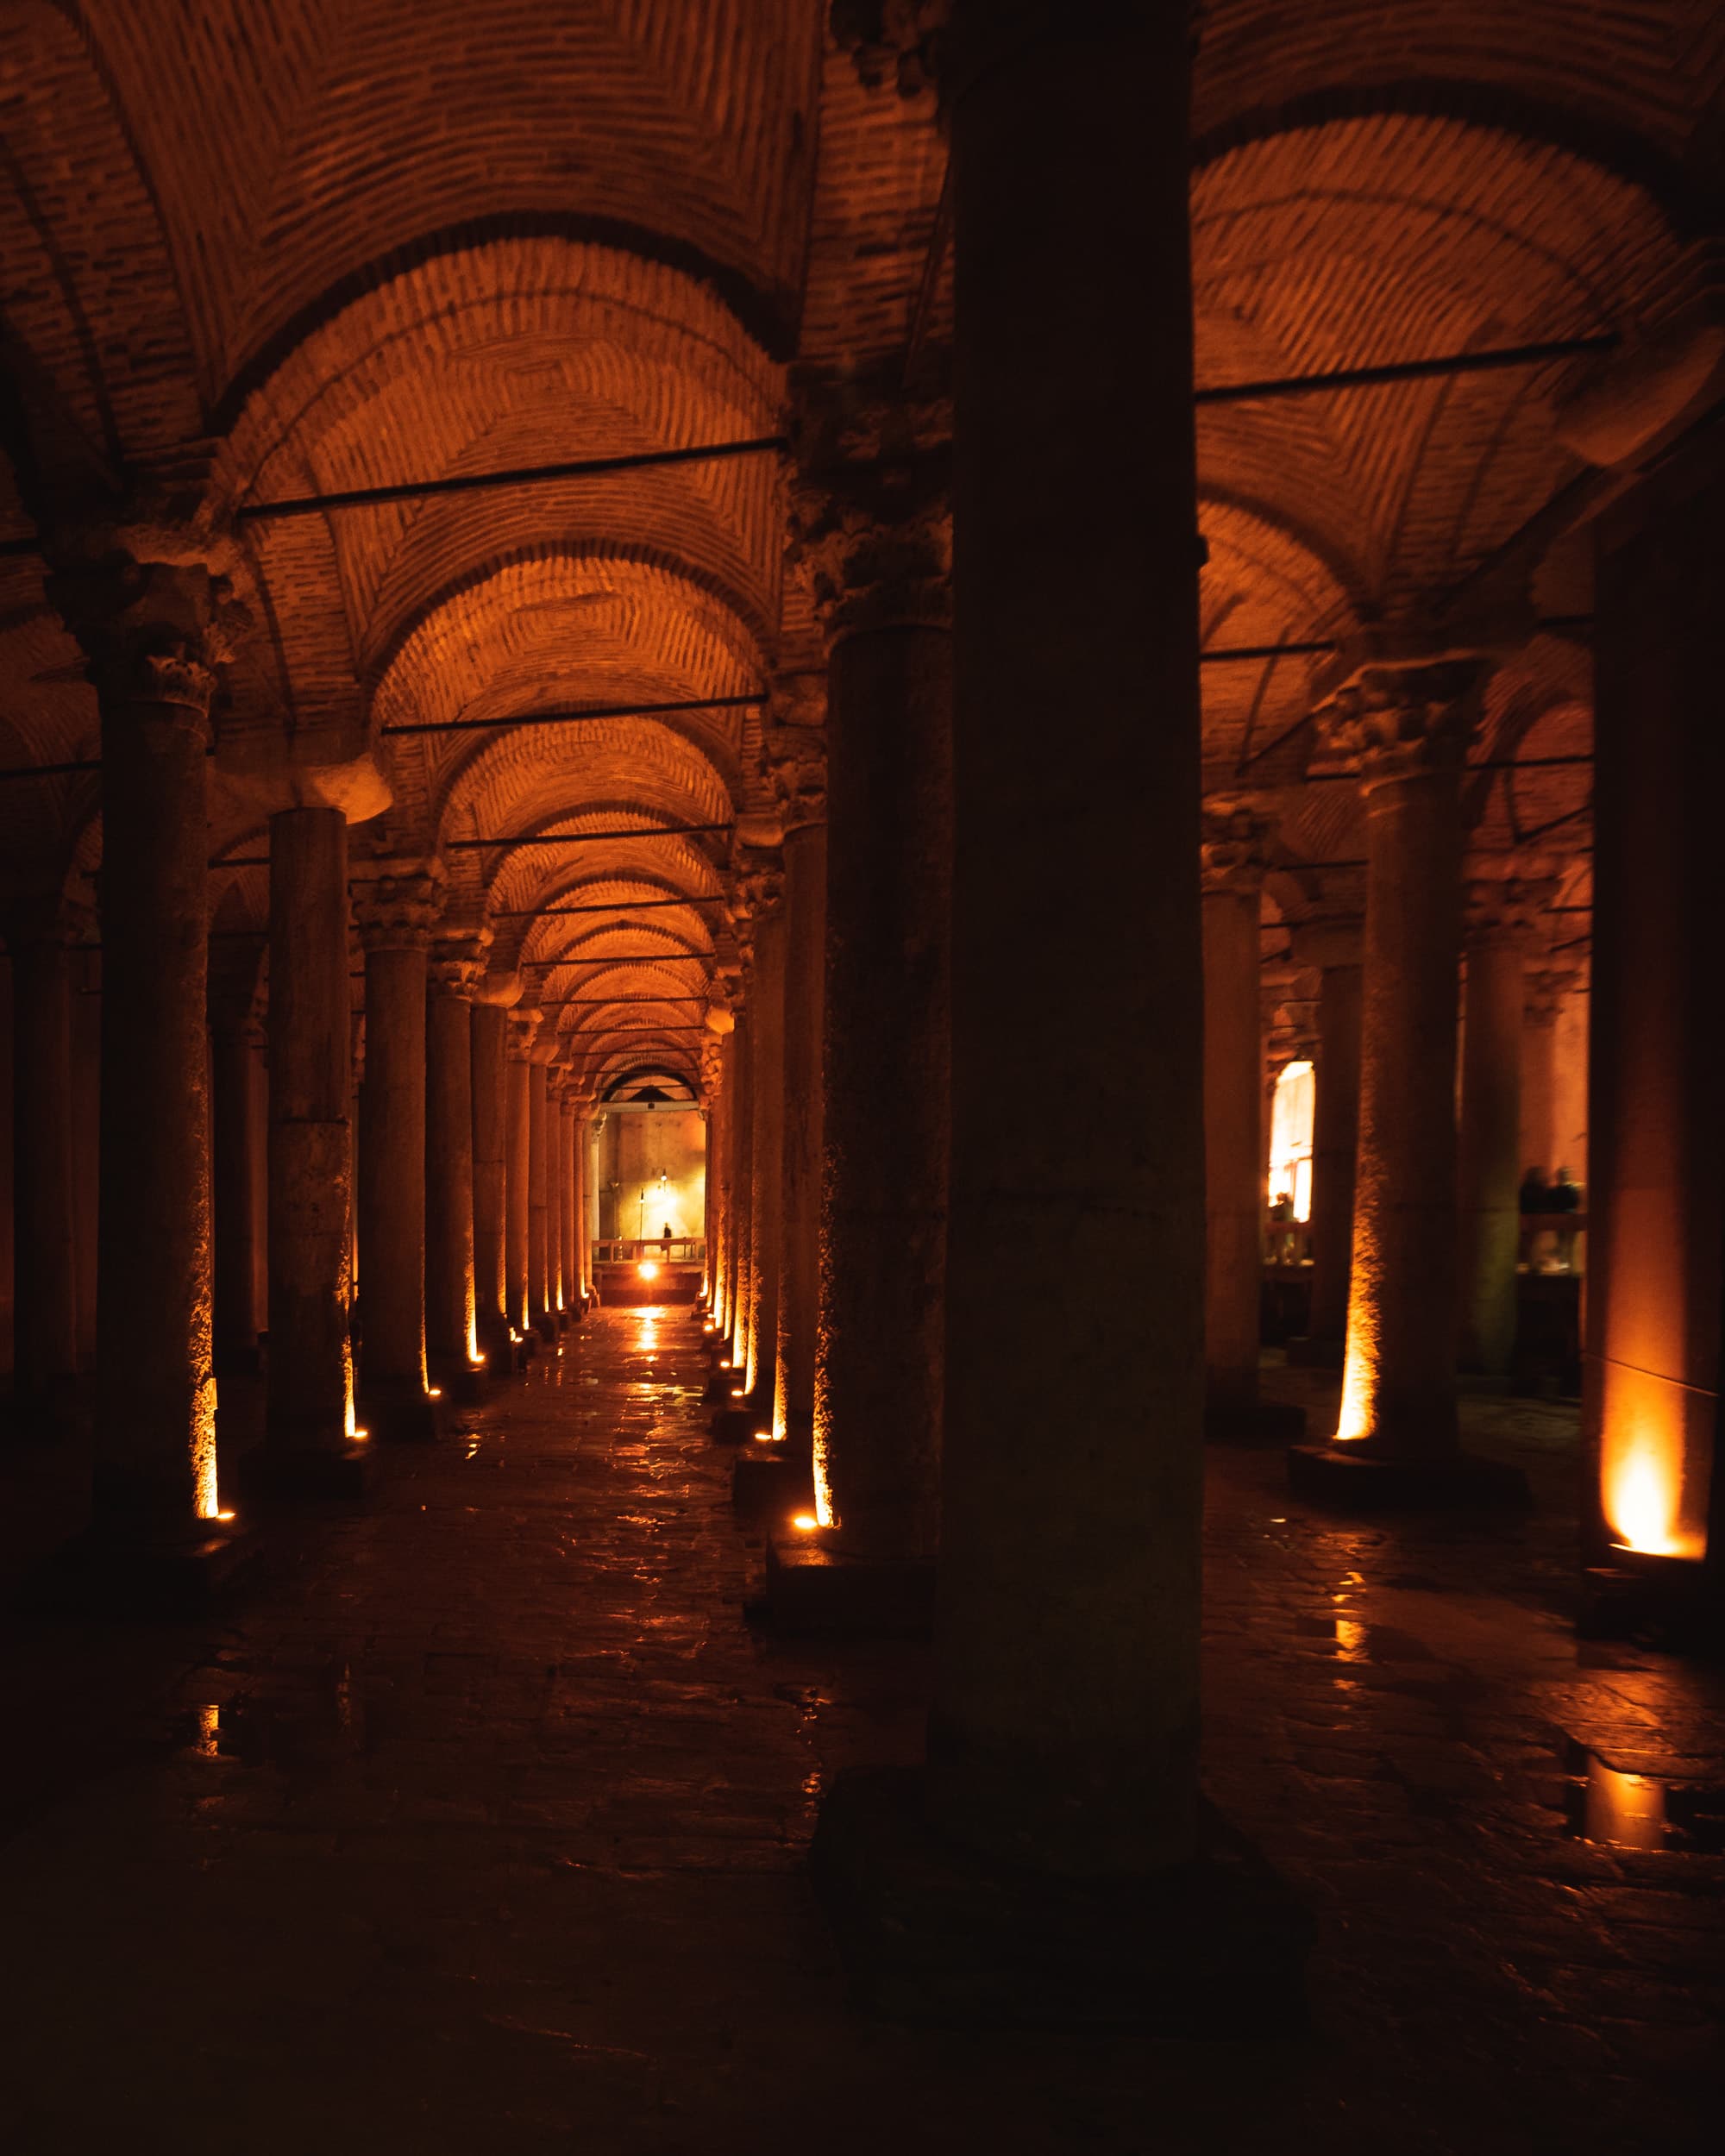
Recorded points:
(1627, 1810)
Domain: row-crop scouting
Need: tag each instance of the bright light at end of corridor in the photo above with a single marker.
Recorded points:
(805, 1523)
(647, 1269)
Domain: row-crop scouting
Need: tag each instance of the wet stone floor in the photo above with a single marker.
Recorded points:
(478, 1828)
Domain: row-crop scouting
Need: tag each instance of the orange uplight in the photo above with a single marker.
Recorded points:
(224, 1515)
(805, 1523)
(647, 1269)
(359, 1435)
(208, 1733)
(1626, 1809)
(739, 1392)
(476, 1361)
(768, 1436)
(1641, 1499)
(434, 1391)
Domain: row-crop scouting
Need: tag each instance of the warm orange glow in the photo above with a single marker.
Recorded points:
(1359, 1366)
(434, 1391)
(1626, 1809)
(768, 1436)
(647, 1269)
(204, 1499)
(209, 1732)
(475, 1360)
(224, 1515)
(739, 1392)
(358, 1435)
(1641, 1498)
(805, 1522)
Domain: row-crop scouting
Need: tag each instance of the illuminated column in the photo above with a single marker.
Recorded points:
(44, 1319)
(723, 1151)
(1063, 1733)
(395, 902)
(523, 1026)
(1501, 920)
(309, 1413)
(1232, 856)
(1656, 1195)
(154, 644)
(452, 1339)
(797, 762)
(567, 1286)
(582, 1141)
(235, 1035)
(1334, 949)
(541, 1113)
(872, 540)
(1396, 1438)
(742, 1141)
(712, 1199)
(765, 1150)
(492, 997)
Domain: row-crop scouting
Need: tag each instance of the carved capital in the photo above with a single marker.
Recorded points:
(397, 899)
(155, 632)
(795, 759)
(1233, 848)
(458, 961)
(871, 530)
(712, 1071)
(758, 891)
(1506, 910)
(1400, 720)
(895, 41)
(524, 1026)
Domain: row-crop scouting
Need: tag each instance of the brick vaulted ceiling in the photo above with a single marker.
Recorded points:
(328, 244)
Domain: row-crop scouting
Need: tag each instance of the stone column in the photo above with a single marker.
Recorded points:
(153, 636)
(44, 1222)
(523, 1025)
(541, 1121)
(766, 1148)
(796, 759)
(452, 1339)
(235, 1037)
(492, 997)
(1233, 856)
(1651, 1413)
(581, 1149)
(1502, 917)
(718, 1169)
(310, 1408)
(395, 902)
(567, 1289)
(1334, 949)
(1063, 1732)
(741, 1181)
(872, 536)
(1396, 1437)
(713, 1192)
(1544, 993)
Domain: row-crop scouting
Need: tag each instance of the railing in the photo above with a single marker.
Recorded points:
(674, 1250)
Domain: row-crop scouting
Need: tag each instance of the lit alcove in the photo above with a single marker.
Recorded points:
(1290, 1138)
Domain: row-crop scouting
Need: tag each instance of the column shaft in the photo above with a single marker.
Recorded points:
(767, 1107)
(517, 1180)
(311, 1065)
(155, 1379)
(804, 1130)
(392, 1176)
(568, 1289)
(1233, 1153)
(44, 1223)
(741, 1185)
(538, 1224)
(886, 1133)
(490, 1076)
(1398, 1386)
(1489, 1152)
(451, 1307)
(1335, 1139)
(1063, 1733)
(234, 1065)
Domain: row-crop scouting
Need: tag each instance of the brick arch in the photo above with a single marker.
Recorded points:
(92, 298)
(1396, 236)
(516, 882)
(1621, 82)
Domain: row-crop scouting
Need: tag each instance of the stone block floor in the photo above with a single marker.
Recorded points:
(478, 1828)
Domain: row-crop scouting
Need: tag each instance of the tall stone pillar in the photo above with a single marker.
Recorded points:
(1501, 918)
(872, 536)
(523, 1025)
(581, 1146)
(719, 1163)
(1544, 993)
(766, 1111)
(235, 1037)
(1334, 949)
(395, 902)
(740, 1180)
(541, 1122)
(1233, 856)
(452, 1339)
(797, 763)
(309, 1407)
(567, 1289)
(712, 1180)
(153, 638)
(1395, 1438)
(1651, 1411)
(44, 1221)
(492, 998)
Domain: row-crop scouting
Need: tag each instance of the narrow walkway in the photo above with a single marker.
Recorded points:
(478, 1829)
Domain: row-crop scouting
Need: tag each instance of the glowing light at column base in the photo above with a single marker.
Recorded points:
(1642, 1499)
(205, 1503)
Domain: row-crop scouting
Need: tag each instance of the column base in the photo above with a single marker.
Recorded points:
(929, 1935)
(308, 1473)
(546, 1326)
(767, 1480)
(1672, 1603)
(1257, 1422)
(1306, 1354)
(468, 1384)
(1349, 1480)
(737, 1421)
(401, 1413)
(814, 1587)
(107, 1572)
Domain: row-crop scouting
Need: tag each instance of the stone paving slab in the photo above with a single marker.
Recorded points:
(480, 1827)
